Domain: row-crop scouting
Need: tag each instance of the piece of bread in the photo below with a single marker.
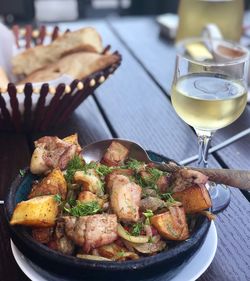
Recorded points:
(78, 65)
(3, 78)
(85, 39)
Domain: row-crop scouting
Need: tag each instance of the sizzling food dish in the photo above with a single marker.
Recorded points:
(119, 209)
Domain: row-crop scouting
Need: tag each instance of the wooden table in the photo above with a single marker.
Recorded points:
(135, 104)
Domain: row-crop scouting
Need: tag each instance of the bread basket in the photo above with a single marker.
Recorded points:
(52, 105)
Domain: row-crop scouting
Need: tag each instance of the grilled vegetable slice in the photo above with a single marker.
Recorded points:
(135, 239)
(117, 253)
(92, 257)
(149, 248)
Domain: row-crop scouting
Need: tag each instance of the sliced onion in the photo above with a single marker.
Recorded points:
(149, 248)
(92, 257)
(127, 255)
(135, 239)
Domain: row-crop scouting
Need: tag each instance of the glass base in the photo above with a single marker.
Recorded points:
(220, 195)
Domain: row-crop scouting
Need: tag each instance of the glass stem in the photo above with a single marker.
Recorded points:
(204, 141)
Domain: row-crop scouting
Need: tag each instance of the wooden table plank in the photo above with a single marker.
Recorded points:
(232, 259)
(15, 155)
(157, 56)
(87, 121)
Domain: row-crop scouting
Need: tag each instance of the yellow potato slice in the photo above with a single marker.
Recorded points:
(37, 212)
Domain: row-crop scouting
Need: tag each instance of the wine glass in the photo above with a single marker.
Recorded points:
(209, 92)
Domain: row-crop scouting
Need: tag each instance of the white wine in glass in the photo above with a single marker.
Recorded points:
(209, 92)
(208, 101)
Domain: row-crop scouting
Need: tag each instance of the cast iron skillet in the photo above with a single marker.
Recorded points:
(55, 266)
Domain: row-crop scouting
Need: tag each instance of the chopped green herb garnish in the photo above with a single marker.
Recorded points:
(71, 202)
(75, 164)
(134, 164)
(154, 175)
(137, 228)
(21, 172)
(148, 214)
(103, 170)
(150, 239)
(120, 254)
(168, 197)
(58, 198)
(91, 165)
(83, 209)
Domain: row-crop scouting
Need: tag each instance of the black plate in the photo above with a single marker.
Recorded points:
(55, 266)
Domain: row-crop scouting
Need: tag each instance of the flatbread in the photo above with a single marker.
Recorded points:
(85, 39)
(77, 65)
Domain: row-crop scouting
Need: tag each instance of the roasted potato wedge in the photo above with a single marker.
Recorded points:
(194, 199)
(54, 183)
(37, 212)
(73, 139)
(172, 225)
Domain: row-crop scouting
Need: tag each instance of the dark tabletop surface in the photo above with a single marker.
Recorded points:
(135, 104)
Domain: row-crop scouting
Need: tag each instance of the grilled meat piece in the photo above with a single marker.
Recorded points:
(115, 155)
(42, 235)
(100, 230)
(184, 178)
(125, 198)
(52, 152)
(75, 229)
(62, 243)
(109, 178)
(91, 231)
(151, 203)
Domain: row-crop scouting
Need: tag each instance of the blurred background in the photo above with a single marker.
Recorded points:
(27, 11)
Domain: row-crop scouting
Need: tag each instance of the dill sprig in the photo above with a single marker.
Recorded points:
(168, 197)
(137, 228)
(75, 164)
(103, 170)
(58, 198)
(148, 214)
(134, 164)
(83, 209)
(22, 173)
(154, 176)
